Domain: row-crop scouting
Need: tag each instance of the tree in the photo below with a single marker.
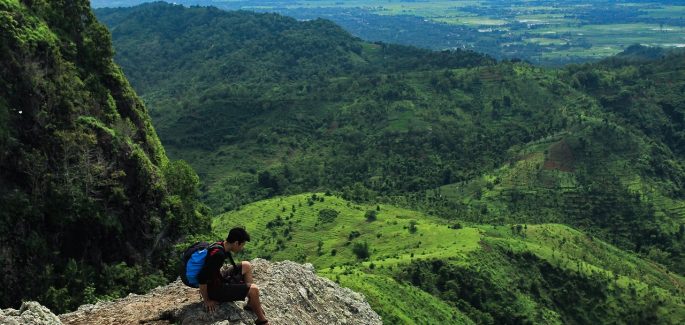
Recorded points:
(412, 226)
(361, 250)
(266, 180)
(370, 215)
(327, 215)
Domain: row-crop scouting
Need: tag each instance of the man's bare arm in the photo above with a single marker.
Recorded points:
(210, 304)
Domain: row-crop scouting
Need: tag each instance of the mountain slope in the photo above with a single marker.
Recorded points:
(451, 133)
(90, 200)
(545, 273)
(617, 173)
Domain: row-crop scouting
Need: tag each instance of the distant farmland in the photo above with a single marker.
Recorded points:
(544, 32)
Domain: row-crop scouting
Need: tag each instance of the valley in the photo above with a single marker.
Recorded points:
(550, 33)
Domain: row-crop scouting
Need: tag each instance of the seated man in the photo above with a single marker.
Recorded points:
(214, 288)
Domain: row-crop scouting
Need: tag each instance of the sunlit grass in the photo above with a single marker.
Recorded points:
(393, 245)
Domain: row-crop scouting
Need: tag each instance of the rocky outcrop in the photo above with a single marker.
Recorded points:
(30, 313)
(291, 294)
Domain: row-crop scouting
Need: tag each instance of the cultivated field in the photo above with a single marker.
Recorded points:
(546, 32)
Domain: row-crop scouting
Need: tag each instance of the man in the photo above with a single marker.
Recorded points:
(213, 286)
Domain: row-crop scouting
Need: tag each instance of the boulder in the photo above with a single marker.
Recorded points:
(291, 293)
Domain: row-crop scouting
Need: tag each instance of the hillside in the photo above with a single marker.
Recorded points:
(417, 268)
(233, 127)
(617, 174)
(90, 201)
(249, 102)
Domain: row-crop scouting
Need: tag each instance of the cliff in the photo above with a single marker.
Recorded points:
(291, 294)
(87, 192)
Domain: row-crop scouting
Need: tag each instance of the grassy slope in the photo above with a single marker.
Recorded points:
(394, 249)
(537, 170)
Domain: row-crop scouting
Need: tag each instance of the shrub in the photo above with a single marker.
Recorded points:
(361, 250)
(412, 226)
(370, 215)
(327, 215)
(319, 248)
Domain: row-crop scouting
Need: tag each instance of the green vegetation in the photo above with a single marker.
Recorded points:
(597, 146)
(546, 273)
(446, 176)
(543, 32)
(90, 202)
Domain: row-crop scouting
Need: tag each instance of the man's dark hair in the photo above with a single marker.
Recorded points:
(238, 234)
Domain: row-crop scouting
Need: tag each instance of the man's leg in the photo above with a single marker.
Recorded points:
(255, 304)
(246, 268)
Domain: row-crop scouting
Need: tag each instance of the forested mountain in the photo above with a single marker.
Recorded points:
(275, 68)
(263, 105)
(90, 202)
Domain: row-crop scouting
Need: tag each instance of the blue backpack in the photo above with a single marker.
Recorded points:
(192, 261)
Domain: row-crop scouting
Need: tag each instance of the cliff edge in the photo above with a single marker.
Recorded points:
(291, 294)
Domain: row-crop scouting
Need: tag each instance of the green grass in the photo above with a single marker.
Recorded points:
(393, 248)
(545, 41)
(389, 229)
(406, 305)
(472, 21)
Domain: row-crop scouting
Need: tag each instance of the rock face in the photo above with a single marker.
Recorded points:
(291, 293)
(30, 313)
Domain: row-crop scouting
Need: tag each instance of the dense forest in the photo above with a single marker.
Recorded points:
(296, 106)
(91, 205)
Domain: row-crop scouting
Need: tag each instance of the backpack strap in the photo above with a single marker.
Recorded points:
(230, 258)
(212, 248)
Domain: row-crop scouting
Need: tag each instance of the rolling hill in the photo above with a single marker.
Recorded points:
(264, 105)
(416, 268)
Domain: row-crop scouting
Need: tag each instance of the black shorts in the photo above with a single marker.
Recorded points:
(229, 292)
(233, 287)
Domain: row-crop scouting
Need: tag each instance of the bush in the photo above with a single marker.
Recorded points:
(327, 215)
(370, 215)
(412, 226)
(361, 250)
(456, 226)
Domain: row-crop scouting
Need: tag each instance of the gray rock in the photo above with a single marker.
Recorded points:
(291, 293)
(30, 313)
